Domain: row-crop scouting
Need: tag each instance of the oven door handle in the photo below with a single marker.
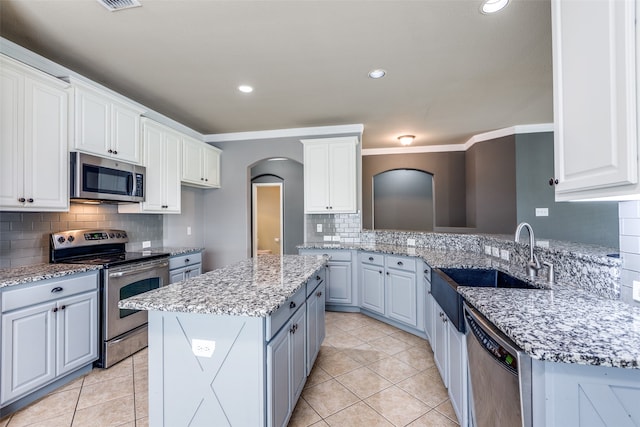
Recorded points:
(138, 271)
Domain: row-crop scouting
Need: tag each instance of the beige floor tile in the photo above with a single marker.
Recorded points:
(337, 364)
(317, 376)
(142, 422)
(368, 333)
(128, 424)
(428, 389)
(111, 413)
(392, 369)
(397, 406)
(59, 421)
(410, 339)
(329, 397)
(320, 423)
(420, 358)
(433, 419)
(107, 390)
(350, 323)
(366, 353)
(363, 382)
(303, 415)
(383, 327)
(141, 380)
(77, 383)
(342, 340)
(358, 415)
(389, 345)
(446, 409)
(141, 402)
(51, 406)
(122, 369)
(4, 421)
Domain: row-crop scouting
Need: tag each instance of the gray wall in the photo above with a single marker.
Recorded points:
(491, 186)
(227, 219)
(403, 200)
(448, 170)
(192, 215)
(584, 222)
(291, 175)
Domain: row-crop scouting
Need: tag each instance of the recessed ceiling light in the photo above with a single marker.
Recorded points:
(377, 73)
(493, 6)
(406, 139)
(245, 88)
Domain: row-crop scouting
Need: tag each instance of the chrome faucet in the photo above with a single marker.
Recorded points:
(533, 265)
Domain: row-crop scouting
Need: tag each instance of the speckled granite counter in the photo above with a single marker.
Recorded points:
(563, 325)
(173, 251)
(254, 287)
(34, 273)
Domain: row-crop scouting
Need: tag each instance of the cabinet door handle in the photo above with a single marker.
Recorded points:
(55, 309)
(553, 181)
(30, 200)
(186, 260)
(426, 272)
(400, 263)
(370, 258)
(63, 307)
(109, 151)
(206, 179)
(318, 277)
(380, 271)
(57, 289)
(319, 294)
(22, 200)
(292, 304)
(115, 152)
(387, 273)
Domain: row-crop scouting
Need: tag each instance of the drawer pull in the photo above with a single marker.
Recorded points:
(319, 293)
(380, 271)
(387, 273)
(292, 304)
(63, 307)
(318, 277)
(186, 260)
(370, 258)
(55, 310)
(400, 263)
(57, 289)
(426, 272)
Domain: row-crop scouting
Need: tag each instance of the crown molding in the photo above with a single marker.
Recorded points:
(286, 133)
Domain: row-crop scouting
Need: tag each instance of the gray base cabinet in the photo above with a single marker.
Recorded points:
(440, 343)
(183, 267)
(315, 324)
(49, 329)
(372, 282)
(402, 298)
(341, 276)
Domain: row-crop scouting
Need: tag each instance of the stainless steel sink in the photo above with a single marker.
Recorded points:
(445, 282)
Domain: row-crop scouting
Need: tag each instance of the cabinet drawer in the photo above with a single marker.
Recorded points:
(284, 312)
(372, 258)
(48, 290)
(316, 280)
(401, 263)
(184, 260)
(333, 254)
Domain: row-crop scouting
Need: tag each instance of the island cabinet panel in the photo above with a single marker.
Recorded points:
(585, 395)
(315, 324)
(206, 367)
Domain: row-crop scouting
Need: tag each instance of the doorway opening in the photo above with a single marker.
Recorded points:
(267, 218)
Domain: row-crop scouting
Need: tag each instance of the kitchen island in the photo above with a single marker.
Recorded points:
(233, 346)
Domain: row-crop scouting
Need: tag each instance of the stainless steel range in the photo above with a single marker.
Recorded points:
(123, 274)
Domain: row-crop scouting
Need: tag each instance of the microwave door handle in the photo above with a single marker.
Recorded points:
(130, 184)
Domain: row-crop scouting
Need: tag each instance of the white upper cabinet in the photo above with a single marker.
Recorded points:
(162, 159)
(330, 175)
(595, 97)
(200, 164)
(33, 139)
(105, 125)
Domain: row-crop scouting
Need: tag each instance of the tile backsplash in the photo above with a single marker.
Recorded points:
(347, 226)
(24, 236)
(629, 217)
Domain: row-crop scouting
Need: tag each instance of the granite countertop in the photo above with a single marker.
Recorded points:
(559, 323)
(34, 273)
(255, 287)
(172, 251)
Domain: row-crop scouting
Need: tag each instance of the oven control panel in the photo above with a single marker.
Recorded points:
(77, 238)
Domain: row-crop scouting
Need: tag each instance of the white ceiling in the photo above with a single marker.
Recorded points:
(452, 71)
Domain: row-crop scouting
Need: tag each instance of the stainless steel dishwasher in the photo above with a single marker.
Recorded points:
(499, 376)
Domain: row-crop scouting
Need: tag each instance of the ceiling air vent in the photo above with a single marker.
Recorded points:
(115, 5)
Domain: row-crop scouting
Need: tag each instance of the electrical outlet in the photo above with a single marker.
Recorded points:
(542, 211)
(327, 238)
(487, 250)
(495, 252)
(636, 290)
(411, 242)
(542, 243)
(203, 348)
(318, 228)
(336, 238)
(146, 244)
(188, 231)
(504, 254)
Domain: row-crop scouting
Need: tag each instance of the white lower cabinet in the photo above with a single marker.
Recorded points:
(49, 329)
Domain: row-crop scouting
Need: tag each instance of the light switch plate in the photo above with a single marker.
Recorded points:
(411, 242)
(318, 228)
(495, 252)
(203, 348)
(542, 211)
(636, 290)
(188, 231)
(146, 244)
(487, 250)
(542, 243)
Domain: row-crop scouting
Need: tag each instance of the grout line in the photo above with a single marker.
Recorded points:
(75, 408)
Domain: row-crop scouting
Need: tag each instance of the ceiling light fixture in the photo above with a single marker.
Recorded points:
(378, 73)
(406, 139)
(116, 5)
(493, 6)
(245, 88)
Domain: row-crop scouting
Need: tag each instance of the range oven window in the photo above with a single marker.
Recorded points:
(98, 179)
(139, 287)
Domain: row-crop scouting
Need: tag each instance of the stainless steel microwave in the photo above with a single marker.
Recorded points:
(111, 180)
